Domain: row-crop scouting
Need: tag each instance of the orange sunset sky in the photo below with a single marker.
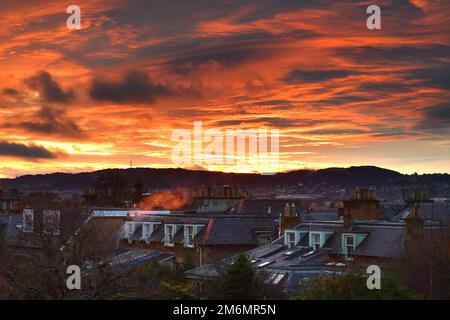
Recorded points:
(114, 91)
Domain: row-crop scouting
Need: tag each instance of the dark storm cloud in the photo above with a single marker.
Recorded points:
(384, 87)
(10, 91)
(401, 55)
(49, 90)
(434, 76)
(230, 54)
(167, 17)
(297, 76)
(134, 87)
(50, 121)
(436, 119)
(19, 150)
(340, 99)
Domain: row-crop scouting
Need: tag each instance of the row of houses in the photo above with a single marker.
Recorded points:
(364, 232)
(284, 237)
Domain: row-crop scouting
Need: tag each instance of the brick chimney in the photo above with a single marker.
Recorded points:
(289, 219)
(414, 227)
(361, 206)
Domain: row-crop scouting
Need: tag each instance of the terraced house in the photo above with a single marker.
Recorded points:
(366, 232)
(199, 238)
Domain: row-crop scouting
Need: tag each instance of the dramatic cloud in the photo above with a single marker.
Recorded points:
(296, 76)
(435, 76)
(436, 119)
(134, 87)
(51, 121)
(10, 91)
(48, 88)
(312, 69)
(19, 150)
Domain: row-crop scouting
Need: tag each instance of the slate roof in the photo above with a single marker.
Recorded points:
(429, 211)
(389, 211)
(217, 229)
(158, 234)
(384, 240)
(290, 266)
(137, 234)
(236, 230)
(179, 236)
(139, 255)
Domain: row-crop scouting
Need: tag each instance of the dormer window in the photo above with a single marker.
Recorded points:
(169, 233)
(129, 229)
(316, 241)
(28, 220)
(51, 221)
(189, 233)
(349, 244)
(290, 239)
(147, 230)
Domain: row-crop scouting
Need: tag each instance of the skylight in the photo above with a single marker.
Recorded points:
(308, 253)
(266, 263)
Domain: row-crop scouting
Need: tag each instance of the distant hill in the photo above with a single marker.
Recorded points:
(171, 178)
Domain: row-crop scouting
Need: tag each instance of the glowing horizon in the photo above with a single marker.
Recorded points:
(113, 92)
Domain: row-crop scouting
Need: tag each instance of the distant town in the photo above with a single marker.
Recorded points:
(177, 234)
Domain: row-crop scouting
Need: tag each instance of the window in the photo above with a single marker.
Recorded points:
(147, 230)
(51, 221)
(189, 232)
(264, 237)
(290, 239)
(128, 230)
(315, 240)
(349, 242)
(169, 232)
(28, 220)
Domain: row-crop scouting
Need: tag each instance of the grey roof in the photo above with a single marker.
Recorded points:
(291, 265)
(236, 230)
(435, 211)
(139, 255)
(137, 234)
(158, 234)
(389, 211)
(384, 239)
(217, 230)
(179, 236)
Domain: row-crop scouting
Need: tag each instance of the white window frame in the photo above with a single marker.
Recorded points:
(51, 221)
(312, 243)
(168, 238)
(129, 229)
(345, 238)
(187, 243)
(287, 241)
(147, 230)
(28, 220)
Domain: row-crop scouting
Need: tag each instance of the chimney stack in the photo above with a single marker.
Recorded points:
(414, 227)
(289, 220)
(361, 206)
